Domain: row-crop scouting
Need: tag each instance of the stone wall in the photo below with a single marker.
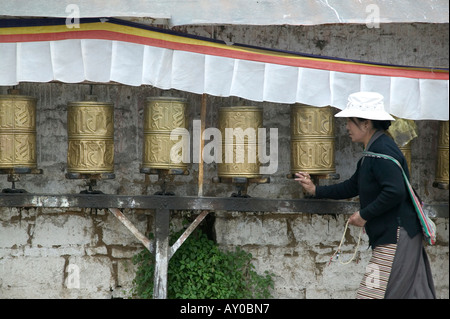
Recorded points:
(43, 251)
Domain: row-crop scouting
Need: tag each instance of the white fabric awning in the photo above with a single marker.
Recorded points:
(104, 51)
(251, 12)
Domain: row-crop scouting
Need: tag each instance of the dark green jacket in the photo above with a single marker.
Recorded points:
(384, 199)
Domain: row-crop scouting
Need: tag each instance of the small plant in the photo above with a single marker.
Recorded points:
(200, 270)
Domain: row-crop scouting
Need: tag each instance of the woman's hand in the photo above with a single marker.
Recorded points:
(305, 180)
(357, 220)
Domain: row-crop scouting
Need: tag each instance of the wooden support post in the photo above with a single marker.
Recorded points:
(162, 221)
(162, 251)
(202, 144)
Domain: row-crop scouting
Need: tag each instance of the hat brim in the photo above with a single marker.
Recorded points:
(369, 115)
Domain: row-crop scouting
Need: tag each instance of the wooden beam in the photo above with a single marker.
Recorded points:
(141, 202)
(128, 224)
(187, 232)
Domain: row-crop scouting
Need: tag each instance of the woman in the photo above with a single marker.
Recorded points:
(399, 266)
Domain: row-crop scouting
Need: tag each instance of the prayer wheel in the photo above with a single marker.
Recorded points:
(90, 128)
(442, 164)
(406, 150)
(239, 129)
(312, 139)
(17, 131)
(162, 115)
(403, 131)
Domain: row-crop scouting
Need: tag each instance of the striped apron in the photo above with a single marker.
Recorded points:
(407, 276)
(376, 277)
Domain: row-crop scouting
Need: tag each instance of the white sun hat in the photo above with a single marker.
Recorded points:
(366, 105)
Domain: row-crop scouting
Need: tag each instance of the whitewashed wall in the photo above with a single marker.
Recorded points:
(40, 248)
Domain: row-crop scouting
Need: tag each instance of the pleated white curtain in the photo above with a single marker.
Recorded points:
(78, 60)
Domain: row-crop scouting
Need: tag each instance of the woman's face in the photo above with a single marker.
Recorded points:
(356, 130)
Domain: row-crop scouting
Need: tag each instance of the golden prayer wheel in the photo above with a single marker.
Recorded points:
(90, 128)
(312, 139)
(239, 128)
(17, 131)
(403, 131)
(162, 115)
(442, 164)
(406, 150)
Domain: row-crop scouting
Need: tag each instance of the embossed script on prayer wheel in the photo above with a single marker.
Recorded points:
(162, 115)
(312, 139)
(17, 131)
(239, 129)
(442, 164)
(90, 128)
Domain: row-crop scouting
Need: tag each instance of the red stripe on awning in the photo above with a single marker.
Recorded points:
(237, 53)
